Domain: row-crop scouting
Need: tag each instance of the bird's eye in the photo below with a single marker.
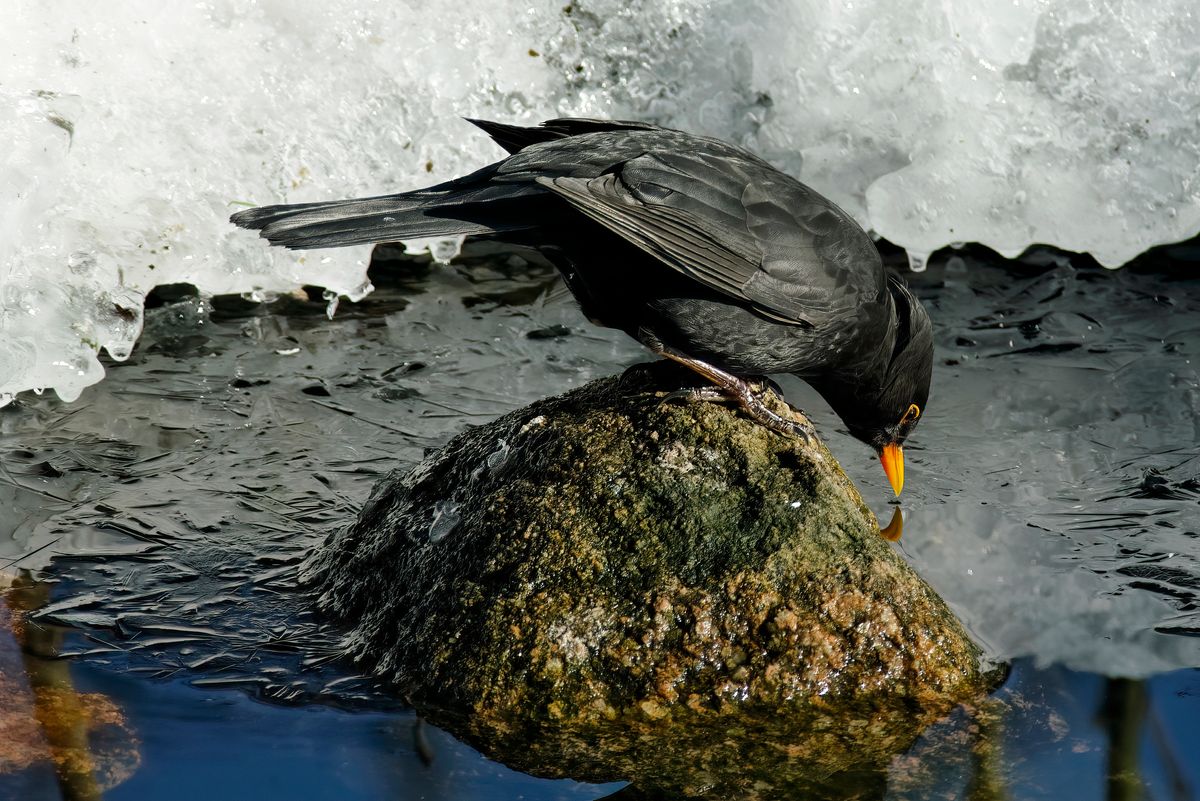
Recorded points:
(910, 416)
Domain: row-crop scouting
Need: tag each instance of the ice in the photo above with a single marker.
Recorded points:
(132, 131)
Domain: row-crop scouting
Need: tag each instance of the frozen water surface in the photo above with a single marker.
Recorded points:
(1054, 489)
(132, 131)
(1053, 497)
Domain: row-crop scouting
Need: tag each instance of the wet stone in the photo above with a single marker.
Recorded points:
(607, 586)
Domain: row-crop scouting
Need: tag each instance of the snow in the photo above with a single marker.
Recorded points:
(132, 130)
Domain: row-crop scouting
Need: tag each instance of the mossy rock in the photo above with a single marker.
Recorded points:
(608, 586)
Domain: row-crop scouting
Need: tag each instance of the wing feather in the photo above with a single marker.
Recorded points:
(737, 227)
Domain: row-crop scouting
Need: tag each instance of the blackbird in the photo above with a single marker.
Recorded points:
(699, 249)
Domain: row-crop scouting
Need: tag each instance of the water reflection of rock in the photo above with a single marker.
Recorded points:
(657, 592)
(50, 733)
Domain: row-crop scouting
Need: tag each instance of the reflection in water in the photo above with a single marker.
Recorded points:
(1023, 742)
(1058, 734)
(1137, 730)
(84, 735)
(895, 527)
(1124, 715)
(762, 754)
(986, 777)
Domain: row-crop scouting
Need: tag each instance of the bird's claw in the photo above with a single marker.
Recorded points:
(726, 386)
(750, 398)
(752, 402)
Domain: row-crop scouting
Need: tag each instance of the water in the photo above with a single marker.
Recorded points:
(1052, 496)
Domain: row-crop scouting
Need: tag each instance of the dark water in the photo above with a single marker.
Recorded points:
(1052, 496)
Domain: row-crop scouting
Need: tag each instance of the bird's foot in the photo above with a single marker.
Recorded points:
(753, 398)
(756, 397)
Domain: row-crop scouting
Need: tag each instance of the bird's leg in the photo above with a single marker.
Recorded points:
(655, 372)
(746, 394)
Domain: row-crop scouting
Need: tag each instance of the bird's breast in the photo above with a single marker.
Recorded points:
(735, 338)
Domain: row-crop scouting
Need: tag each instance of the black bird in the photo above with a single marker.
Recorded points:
(702, 251)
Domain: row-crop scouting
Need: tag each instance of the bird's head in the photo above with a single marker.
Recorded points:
(882, 413)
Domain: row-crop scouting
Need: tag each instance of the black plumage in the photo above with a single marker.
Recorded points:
(698, 248)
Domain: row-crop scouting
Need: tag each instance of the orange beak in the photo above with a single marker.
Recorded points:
(892, 459)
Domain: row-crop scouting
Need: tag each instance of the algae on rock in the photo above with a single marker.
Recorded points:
(608, 586)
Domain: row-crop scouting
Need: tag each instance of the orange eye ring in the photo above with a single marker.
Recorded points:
(911, 414)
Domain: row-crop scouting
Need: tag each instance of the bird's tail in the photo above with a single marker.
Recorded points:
(446, 210)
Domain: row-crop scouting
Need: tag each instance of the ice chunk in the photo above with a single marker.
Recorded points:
(132, 132)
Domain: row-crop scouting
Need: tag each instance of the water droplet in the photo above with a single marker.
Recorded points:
(359, 292)
(260, 296)
(498, 457)
(444, 250)
(331, 302)
(917, 260)
(120, 352)
(445, 520)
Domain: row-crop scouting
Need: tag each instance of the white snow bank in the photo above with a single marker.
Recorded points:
(130, 131)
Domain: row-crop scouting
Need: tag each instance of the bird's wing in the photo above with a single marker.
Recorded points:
(736, 226)
(515, 138)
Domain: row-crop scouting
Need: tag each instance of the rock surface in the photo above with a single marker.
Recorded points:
(608, 586)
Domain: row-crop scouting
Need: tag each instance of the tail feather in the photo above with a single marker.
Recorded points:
(488, 201)
(393, 227)
(260, 217)
(515, 138)
(412, 215)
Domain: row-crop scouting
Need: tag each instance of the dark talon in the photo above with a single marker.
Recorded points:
(770, 386)
(754, 406)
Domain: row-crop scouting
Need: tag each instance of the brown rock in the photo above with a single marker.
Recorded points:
(606, 586)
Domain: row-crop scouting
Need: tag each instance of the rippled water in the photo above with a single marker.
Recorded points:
(1052, 496)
